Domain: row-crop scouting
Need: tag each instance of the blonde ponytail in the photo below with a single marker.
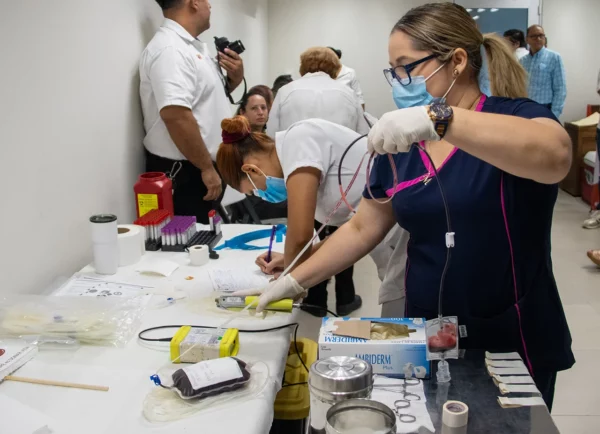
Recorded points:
(507, 76)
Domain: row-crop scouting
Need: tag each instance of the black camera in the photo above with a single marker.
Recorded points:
(223, 43)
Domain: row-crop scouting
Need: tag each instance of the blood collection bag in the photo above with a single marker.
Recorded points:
(442, 338)
(207, 378)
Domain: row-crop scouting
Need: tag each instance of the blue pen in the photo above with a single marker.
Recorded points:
(271, 243)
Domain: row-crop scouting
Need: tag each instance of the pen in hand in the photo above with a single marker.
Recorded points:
(273, 230)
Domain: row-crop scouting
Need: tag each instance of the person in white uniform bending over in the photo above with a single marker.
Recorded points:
(317, 94)
(347, 76)
(301, 165)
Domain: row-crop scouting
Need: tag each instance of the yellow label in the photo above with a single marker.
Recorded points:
(147, 202)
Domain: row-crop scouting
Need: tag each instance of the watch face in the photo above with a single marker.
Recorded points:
(441, 111)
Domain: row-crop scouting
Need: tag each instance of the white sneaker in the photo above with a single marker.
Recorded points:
(594, 221)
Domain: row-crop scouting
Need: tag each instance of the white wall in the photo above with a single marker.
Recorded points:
(572, 30)
(245, 20)
(359, 28)
(70, 122)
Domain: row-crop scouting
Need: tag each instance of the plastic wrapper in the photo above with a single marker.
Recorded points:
(70, 320)
(164, 404)
(442, 338)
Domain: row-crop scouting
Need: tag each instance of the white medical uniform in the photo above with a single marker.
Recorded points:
(176, 69)
(316, 95)
(320, 144)
(347, 76)
(521, 52)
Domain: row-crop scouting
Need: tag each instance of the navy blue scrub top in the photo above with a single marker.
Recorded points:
(499, 220)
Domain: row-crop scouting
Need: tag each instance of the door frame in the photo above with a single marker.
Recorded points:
(534, 6)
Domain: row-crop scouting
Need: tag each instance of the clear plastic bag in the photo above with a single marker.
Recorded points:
(165, 405)
(442, 338)
(86, 320)
(207, 378)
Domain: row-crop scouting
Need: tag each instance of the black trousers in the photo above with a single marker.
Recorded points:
(546, 382)
(188, 187)
(344, 284)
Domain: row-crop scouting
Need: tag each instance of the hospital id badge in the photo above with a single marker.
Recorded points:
(442, 338)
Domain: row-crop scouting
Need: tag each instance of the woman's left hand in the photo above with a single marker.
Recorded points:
(396, 131)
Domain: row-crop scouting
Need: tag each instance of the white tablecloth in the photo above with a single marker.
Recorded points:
(126, 371)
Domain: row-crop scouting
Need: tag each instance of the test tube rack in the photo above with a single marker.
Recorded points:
(153, 222)
(181, 234)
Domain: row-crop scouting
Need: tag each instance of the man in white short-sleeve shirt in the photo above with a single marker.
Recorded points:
(184, 100)
(348, 77)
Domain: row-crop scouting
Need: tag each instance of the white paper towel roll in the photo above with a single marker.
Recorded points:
(131, 244)
(199, 255)
(456, 414)
(104, 243)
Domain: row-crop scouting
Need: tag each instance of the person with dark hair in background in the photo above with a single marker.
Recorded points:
(317, 95)
(184, 100)
(347, 76)
(547, 78)
(281, 81)
(516, 40)
(266, 93)
(255, 107)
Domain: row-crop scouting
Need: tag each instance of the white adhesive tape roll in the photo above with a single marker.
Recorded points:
(131, 244)
(199, 255)
(456, 414)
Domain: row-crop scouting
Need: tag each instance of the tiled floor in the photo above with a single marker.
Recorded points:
(577, 400)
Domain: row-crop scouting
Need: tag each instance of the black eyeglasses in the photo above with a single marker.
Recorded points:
(401, 73)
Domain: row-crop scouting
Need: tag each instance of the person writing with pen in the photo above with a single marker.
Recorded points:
(499, 160)
(301, 166)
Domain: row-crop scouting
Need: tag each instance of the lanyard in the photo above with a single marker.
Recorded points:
(240, 242)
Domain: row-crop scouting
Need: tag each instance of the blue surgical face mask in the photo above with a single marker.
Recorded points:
(414, 94)
(275, 192)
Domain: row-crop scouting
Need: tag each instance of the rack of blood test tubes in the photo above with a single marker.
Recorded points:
(177, 234)
(181, 233)
(153, 222)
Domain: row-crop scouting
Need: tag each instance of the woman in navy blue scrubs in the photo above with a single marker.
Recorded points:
(499, 160)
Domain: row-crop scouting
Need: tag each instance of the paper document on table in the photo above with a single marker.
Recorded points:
(520, 402)
(502, 356)
(94, 287)
(229, 280)
(517, 379)
(505, 363)
(518, 388)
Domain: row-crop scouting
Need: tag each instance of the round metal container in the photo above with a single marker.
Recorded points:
(333, 380)
(360, 416)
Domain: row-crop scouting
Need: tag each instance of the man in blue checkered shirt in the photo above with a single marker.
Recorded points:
(547, 80)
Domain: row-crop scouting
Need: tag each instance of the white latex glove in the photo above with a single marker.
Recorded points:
(396, 131)
(286, 287)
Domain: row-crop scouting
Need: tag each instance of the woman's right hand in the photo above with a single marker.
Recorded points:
(273, 267)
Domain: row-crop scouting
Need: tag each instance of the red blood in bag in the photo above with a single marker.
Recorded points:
(450, 328)
(444, 340)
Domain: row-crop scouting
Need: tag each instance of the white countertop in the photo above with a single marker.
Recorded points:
(127, 370)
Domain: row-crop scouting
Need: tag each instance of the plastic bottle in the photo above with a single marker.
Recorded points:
(153, 190)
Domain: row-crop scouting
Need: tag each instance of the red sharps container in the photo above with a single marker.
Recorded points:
(154, 190)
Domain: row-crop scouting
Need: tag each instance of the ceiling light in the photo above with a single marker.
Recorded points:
(481, 10)
(494, 10)
(469, 10)
(476, 17)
